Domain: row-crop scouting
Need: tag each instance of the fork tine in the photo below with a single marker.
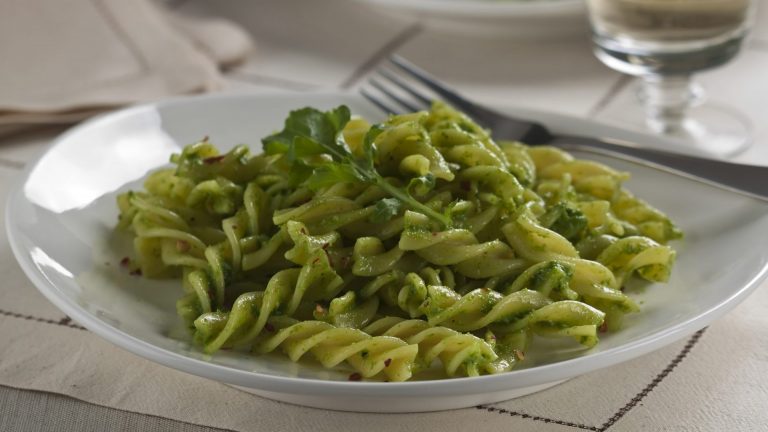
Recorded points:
(387, 92)
(378, 102)
(424, 99)
(430, 81)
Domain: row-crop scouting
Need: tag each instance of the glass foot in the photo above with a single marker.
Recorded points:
(676, 110)
(675, 107)
(717, 130)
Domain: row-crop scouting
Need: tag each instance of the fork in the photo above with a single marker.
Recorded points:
(749, 180)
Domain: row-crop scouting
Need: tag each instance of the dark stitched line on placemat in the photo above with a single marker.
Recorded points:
(383, 52)
(66, 321)
(623, 410)
(537, 418)
(656, 381)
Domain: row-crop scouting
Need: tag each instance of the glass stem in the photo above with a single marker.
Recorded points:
(667, 99)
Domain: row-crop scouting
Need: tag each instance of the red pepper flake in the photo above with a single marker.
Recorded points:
(182, 246)
(269, 327)
(125, 262)
(434, 234)
(387, 362)
(355, 377)
(603, 327)
(315, 261)
(136, 272)
(213, 159)
(466, 185)
(519, 354)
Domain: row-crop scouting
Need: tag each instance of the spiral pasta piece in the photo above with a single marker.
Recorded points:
(652, 261)
(403, 139)
(460, 130)
(285, 291)
(457, 247)
(534, 242)
(368, 355)
(405, 291)
(348, 311)
(459, 353)
(645, 219)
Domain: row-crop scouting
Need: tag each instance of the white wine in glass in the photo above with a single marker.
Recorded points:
(665, 42)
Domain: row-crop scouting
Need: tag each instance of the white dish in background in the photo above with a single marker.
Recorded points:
(61, 218)
(518, 18)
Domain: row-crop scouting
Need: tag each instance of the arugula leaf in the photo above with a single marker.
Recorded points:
(385, 209)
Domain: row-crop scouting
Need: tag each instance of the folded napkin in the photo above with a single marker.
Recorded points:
(64, 60)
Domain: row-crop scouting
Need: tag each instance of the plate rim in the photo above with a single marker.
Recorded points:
(451, 386)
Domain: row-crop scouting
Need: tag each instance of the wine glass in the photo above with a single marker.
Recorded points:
(664, 42)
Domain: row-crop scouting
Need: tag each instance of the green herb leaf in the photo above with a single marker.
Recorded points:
(331, 173)
(302, 147)
(317, 132)
(310, 132)
(299, 173)
(385, 209)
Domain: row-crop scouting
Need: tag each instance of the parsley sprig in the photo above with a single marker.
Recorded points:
(311, 132)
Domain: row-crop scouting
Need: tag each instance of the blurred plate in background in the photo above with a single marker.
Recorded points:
(523, 18)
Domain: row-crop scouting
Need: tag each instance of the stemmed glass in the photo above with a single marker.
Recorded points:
(664, 42)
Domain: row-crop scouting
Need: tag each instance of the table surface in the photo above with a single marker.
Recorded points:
(296, 52)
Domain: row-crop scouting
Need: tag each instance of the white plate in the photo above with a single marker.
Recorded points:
(519, 18)
(61, 218)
